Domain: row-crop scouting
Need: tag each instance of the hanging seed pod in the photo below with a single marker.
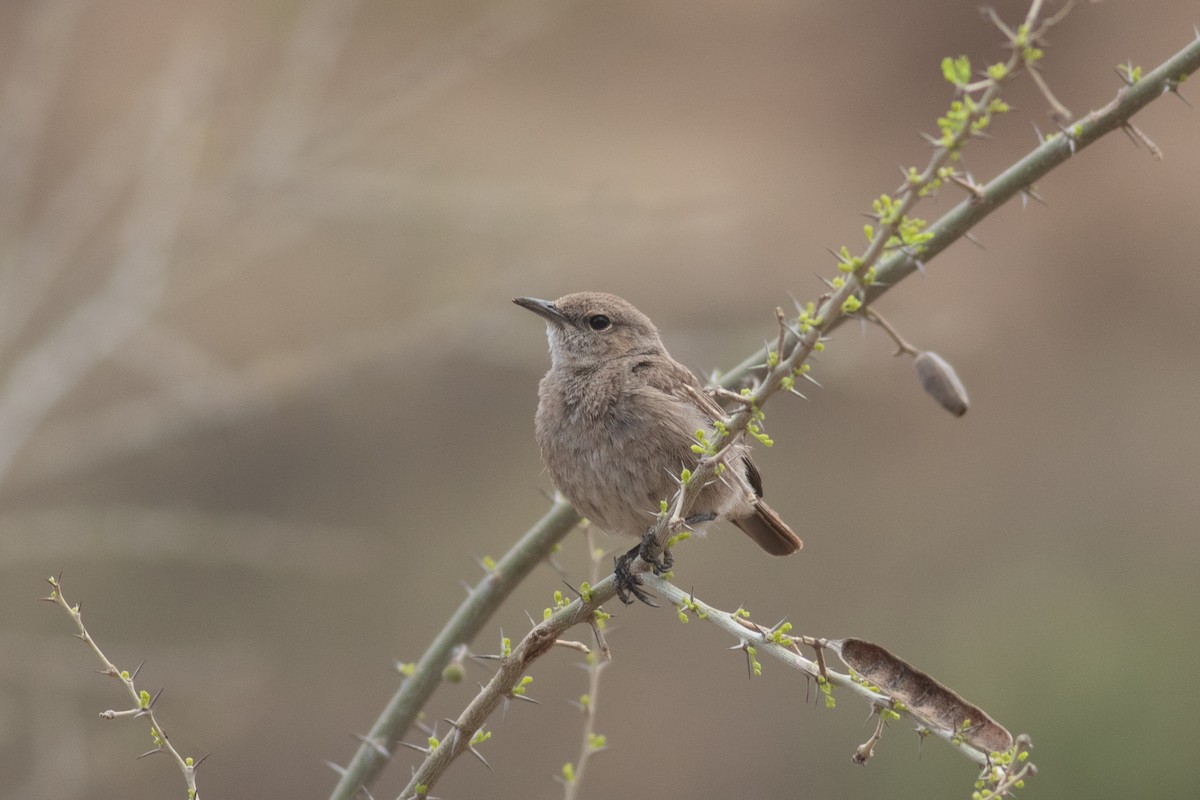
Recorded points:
(929, 701)
(941, 382)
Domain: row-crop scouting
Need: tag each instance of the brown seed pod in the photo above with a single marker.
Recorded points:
(941, 382)
(929, 701)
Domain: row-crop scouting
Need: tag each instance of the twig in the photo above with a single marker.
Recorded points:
(541, 638)
(143, 703)
(591, 742)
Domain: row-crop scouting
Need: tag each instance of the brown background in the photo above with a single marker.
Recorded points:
(265, 398)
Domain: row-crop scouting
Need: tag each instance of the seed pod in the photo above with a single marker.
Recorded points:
(929, 701)
(941, 382)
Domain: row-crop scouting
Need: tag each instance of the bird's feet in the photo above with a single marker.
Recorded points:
(649, 550)
(656, 555)
(628, 583)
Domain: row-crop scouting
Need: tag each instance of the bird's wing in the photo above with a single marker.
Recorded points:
(668, 376)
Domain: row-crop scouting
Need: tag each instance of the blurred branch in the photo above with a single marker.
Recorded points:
(193, 391)
(32, 264)
(310, 56)
(38, 60)
(435, 69)
(41, 377)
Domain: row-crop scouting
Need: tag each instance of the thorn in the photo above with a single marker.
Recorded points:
(338, 768)
(476, 753)
(373, 744)
(1135, 131)
(1041, 139)
(150, 753)
(1028, 194)
(203, 758)
(154, 700)
(970, 237)
(1069, 135)
(133, 677)
(1173, 88)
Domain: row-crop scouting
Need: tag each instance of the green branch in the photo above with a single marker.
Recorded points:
(533, 547)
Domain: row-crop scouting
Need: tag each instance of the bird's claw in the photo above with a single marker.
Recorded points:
(628, 583)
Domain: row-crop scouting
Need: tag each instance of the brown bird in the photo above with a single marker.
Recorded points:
(616, 421)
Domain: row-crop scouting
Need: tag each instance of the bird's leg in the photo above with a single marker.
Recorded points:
(654, 553)
(629, 583)
(700, 519)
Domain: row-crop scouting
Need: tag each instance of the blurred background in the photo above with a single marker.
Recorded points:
(264, 399)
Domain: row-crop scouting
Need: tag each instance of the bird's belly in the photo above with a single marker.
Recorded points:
(619, 480)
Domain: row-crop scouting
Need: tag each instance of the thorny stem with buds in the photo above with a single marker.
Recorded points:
(143, 703)
(591, 742)
(849, 295)
(543, 636)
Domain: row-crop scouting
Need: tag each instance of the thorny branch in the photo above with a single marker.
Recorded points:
(143, 703)
(845, 300)
(853, 294)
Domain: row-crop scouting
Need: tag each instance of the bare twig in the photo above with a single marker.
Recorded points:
(143, 703)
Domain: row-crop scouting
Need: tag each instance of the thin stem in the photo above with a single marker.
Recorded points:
(143, 704)
(595, 666)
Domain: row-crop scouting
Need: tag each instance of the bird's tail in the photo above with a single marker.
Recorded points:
(771, 533)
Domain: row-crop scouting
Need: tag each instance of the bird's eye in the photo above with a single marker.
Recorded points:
(598, 322)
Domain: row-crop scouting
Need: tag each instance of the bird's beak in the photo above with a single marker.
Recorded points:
(543, 308)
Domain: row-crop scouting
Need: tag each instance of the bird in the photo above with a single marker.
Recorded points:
(616, 422)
